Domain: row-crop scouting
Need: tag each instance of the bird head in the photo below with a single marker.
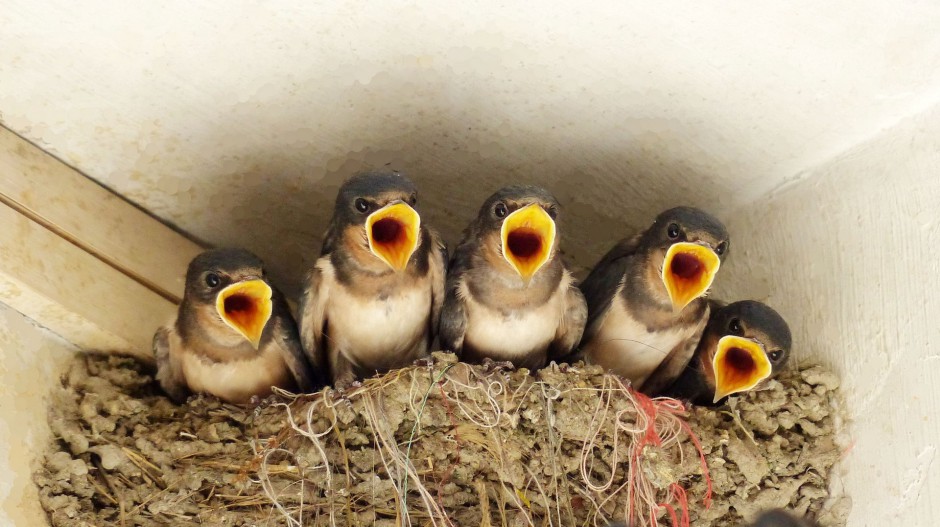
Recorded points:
(378, 210)
(780, 518)
(686, 245)
(233, 282)
(521, 222)
(750, 344)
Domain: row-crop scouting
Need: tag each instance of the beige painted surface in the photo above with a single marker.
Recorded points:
(810, 127)
(237, 120)
(73, 293)
(88, 215)
(851, 258)
(31, 359)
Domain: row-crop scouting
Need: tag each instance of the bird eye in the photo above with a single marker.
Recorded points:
(553, 212)
(213, 280)
(500, 210)
(362, 205)
(722, 247)
(673, 230)
(413, 200)
(776, 355)
(734, 326)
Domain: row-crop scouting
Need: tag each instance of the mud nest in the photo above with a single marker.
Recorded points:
(442, 443)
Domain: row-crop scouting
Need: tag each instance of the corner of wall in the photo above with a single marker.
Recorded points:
(848, 254)
(31, 361)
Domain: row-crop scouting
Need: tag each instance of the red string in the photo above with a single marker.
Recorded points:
(676, 408)
(651, 436)
(672, 515)
(651, 408)
(707, 500)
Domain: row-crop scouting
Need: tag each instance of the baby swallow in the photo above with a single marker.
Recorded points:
(373, 299)
(233, 337)
(744, 344)
(646, 309)
(509, 295)
(780, 518)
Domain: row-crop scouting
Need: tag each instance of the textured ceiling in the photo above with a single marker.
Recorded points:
(236, 121)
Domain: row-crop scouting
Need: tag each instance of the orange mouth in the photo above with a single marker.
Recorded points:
(528, 236)
(688, 271)
(393, 234)
(739, 364)
(246, 308)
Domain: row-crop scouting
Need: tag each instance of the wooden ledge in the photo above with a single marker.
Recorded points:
(80, 260)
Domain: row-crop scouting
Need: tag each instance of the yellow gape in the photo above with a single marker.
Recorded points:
(393, 234)
(528, 236)
(739, 365)
(246, 308)
(688, 271)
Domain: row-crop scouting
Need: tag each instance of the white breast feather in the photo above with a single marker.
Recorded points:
(376, 330)
(234, 380)
(516, 334)
(624, 346)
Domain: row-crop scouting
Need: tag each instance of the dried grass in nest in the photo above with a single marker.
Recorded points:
(439, 444)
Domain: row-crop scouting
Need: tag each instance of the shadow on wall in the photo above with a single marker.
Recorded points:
(278, 201)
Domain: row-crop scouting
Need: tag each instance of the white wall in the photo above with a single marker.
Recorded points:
(851, 257)
(31, 359)
(237, 120)
(812, 127)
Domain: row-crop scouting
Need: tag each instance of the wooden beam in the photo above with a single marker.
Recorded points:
(80, 260)
(73, 293)
(77, 209)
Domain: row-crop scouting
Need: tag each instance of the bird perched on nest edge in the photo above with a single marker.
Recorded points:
(646, 310)
(744, 344)
(373, 299)
(233, 336)
(509, 295)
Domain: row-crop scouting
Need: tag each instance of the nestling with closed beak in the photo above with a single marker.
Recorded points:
(509, 295)
(372, 301)
(646, 305)
(744, 344)
(233, 336)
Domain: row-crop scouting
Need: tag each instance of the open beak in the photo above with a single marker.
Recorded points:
(739, 364)
(246, 308)
(393, 233)
(688, 271)
(528, 236)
